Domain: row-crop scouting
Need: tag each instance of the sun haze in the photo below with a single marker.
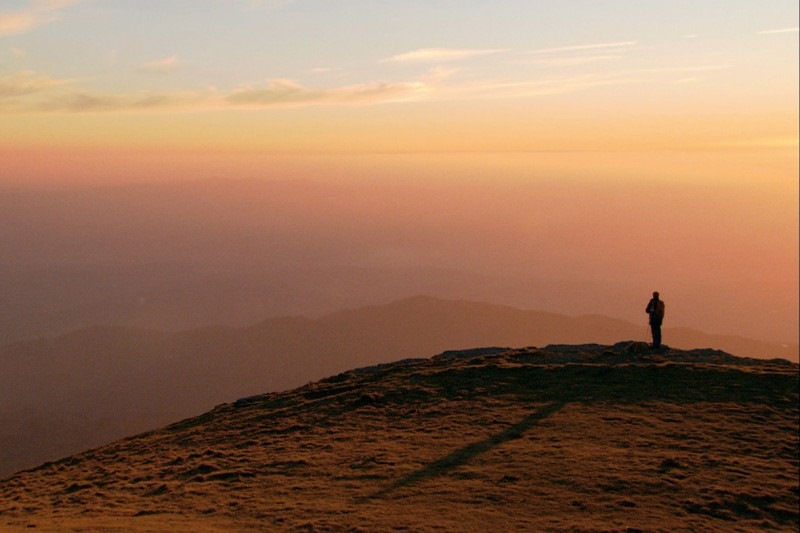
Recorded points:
(594, 150)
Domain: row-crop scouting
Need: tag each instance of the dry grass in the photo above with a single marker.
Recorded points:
(561, 439)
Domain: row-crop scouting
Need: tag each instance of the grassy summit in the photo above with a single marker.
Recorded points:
(575, 438)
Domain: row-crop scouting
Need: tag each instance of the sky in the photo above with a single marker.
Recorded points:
(366, 76)
(618, 100)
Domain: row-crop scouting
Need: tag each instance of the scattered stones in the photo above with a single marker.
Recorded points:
(369, 398)
(158, 491)
(75, 487)
(668, 464)
(637, 347)
(200, 470)
(543, 441)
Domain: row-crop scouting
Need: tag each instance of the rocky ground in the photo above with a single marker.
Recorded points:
(562, 438)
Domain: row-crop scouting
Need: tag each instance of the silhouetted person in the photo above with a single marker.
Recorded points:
(655, 308)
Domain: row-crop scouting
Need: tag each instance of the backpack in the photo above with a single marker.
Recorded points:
(659, 310)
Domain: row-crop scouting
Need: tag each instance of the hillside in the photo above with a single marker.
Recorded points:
(579, 438)
(65, 394)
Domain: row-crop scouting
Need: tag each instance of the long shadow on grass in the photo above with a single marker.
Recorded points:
(467, 453)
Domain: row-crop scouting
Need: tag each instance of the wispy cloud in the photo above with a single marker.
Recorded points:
(324, 70)
(576, 55)
(493, 89)
(288, 93)
(437, 75)
(568, 61)
(85, 102)
(584, 47)
(496, 90)
(781, 30)
(25, 83)
(27, 92)
(34, 15)
(679, 70)
(440, 55)
(161, 66)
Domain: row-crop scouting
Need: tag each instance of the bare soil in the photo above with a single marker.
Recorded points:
(565, 438)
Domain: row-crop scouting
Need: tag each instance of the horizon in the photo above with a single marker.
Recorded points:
(185, 254)
(546, 156)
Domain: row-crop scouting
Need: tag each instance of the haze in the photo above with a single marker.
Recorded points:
(187, 163)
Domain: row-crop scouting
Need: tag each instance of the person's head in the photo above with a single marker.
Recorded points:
(655, 295)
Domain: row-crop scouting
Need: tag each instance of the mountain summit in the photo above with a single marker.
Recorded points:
(62, 395)
(563, 438)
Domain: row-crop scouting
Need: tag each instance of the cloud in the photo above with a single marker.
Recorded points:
(27, 92)
(440, 55)
(324, 70)
(584, 47)
(25, 83)
(540, 87)
(84, 102)
(576, 55)
(18, 22)
(782, 30)
(568, 61)
(438, 75)
(673, 70)
(288, 93)
(37, 13)
(161, 66)
(275, 93)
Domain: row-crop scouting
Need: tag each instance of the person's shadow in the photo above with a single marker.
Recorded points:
(464, 455)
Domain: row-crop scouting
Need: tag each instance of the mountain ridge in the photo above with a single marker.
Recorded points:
(79, 390)
(566, 437)
(178, 255)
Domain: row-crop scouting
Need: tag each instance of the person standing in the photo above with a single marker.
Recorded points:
(655, 308)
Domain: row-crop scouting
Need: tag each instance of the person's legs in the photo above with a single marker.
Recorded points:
(656, 328)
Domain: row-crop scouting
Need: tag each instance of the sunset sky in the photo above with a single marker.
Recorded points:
(366, 76)
(684, 99)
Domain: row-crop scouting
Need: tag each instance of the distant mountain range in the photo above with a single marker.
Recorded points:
(76, 391)
(179, 255)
